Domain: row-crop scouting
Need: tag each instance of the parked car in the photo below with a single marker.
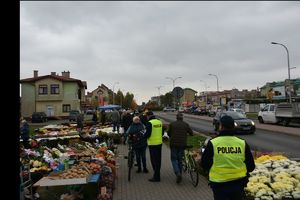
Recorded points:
(213, 111)
(168, 109)
(38, 117)
(181, 109)
(73, 115)
(241, 123)
(281, 113)
(90, 111)
(200, 111)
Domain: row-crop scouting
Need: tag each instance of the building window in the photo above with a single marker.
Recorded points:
(66, 107)
(43, 89)
(55, 89)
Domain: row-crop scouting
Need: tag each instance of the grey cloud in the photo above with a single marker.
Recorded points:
(140, 43)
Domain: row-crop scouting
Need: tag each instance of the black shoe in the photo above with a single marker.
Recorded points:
(178, 179)
(153, 180)
(145, 170)
(139, 171)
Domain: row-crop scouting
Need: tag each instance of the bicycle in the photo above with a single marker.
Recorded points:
(130, 159)
(189, 165)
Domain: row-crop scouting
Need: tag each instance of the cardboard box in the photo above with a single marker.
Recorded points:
(56, 181)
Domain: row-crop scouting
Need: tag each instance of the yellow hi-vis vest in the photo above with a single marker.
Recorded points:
(228, 159)
(156, 134)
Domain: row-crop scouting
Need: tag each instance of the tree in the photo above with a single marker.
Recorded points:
(119, 98)
(167, 99)
(128, 100)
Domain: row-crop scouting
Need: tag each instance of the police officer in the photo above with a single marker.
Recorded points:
(154, 134)
(228, 159)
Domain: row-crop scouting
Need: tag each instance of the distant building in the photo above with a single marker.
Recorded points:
(279, 90)
(188, 97)
(53, 94)
(98, 97)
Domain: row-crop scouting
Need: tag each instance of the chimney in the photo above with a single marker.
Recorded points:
(66, 74)
(35, 73)
(53, 73)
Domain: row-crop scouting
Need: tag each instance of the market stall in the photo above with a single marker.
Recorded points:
(66, 160)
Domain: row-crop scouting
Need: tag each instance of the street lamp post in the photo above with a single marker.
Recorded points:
(289, 76)
(205, 85)
(158, 87)
(217, 80)
(114, 92)
(173, 80)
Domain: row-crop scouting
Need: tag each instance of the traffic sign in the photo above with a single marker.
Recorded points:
(177, 92)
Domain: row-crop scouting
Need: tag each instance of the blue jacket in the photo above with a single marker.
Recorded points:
(24, 131)
(136, 135)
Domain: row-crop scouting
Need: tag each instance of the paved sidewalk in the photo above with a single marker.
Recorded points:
(140, 188)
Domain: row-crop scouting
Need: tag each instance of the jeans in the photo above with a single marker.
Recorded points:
(176, 159)
(116, 125)
(141, 157)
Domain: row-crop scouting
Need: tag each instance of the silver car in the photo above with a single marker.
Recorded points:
(168, 109)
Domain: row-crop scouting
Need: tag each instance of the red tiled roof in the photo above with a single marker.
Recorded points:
(60, 78)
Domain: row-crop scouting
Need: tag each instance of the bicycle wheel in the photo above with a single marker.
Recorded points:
(130, 163)
(193, 171)
(184, 164)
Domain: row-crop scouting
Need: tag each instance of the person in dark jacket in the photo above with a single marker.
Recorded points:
(116, 119)
(95, 118)
(103, 117)
(136, 135)
(79, 121)
(177, 133)
(24, 132)
(143, 118)
(154, 135)
(229, 160)
(126, 122)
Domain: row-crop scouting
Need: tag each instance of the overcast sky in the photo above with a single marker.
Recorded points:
(139, 44)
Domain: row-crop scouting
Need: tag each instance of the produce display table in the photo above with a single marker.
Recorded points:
(76, 164)
(49, 182)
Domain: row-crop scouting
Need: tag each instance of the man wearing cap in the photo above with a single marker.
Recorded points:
(154, 134)
(177, 132)
(228, 159)
(24, 133)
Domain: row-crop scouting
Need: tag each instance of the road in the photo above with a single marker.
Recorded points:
(262, 140)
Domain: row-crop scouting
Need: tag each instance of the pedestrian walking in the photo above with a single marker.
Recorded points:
(229, 160)
(126, 122)
(103, 117)
(136, 136)
(95, 118)
(79, 121)
(115, 118)
(154, 133)
(24, 133)
(143, 117)
(178, 132)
